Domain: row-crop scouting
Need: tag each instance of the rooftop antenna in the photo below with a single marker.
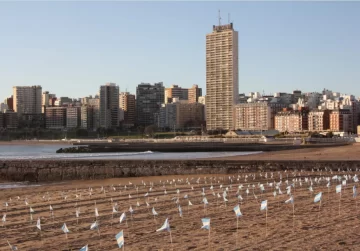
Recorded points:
(219, 18)
(229, 19)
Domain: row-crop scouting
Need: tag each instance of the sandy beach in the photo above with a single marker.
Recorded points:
(347, 152)
(312, 228)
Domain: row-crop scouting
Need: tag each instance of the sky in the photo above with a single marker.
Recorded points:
(71, 48)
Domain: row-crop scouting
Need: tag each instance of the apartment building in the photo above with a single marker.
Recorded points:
(55, 117)
(319, 120)
(128, 106)
(148, 102)
(73, 117)
(253, 116)
(175, 91)
(291, 121)
(194, 93)
(27, 99)
(222, 80)
(109, 105)
(180, 114)
(341, 121)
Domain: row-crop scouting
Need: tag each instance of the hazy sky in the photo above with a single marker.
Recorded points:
(71, 48)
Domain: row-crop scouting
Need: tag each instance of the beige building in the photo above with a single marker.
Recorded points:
(175, 91)
(194, 93)
(27, 99)
(181, 114)
(252, 116)
(319, 120)
(291, 121)
(341, 121)
(222, 80)
(127, 104)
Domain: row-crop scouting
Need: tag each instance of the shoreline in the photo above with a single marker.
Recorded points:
(35, 142)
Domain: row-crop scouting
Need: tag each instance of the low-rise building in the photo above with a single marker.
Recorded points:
(181, 114)
(253, 116)
(291, 121)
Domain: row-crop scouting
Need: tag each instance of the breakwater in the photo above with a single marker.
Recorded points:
(187, 147)
(47, 170)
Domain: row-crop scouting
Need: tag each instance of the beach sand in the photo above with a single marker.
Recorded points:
(347, 152)
(314, 228)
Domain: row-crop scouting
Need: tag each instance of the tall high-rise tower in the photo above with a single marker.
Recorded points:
(109, 105)
(222, 79)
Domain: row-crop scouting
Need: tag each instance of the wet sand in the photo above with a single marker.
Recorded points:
(313, 229)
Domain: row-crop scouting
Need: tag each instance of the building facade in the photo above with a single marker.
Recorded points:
(222, 80)
(291, 121)
(175, 91)
(11, 119)
(87, 118)
(319, 120)
(73, 117)
(253, 116)
(179, 115)
(94, 103)
(341, 120)
(27, 99)
(148, 102)
(194, 93)
(55, 117)
(109, 105)
(128, 105)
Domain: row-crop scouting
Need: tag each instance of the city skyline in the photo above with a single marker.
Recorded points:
(314, 46)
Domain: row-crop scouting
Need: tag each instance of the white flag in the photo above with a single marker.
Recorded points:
(38, 224)
(122, 217)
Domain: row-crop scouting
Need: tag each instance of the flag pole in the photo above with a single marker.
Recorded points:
(266, 222)
(172, 248)
(209, 239)
(339, 202)
(293, 215)
(237, 227)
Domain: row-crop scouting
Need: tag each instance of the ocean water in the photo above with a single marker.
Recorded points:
(49, 152)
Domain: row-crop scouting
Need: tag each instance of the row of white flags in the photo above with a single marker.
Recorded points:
(166, 226)
(261, 186)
